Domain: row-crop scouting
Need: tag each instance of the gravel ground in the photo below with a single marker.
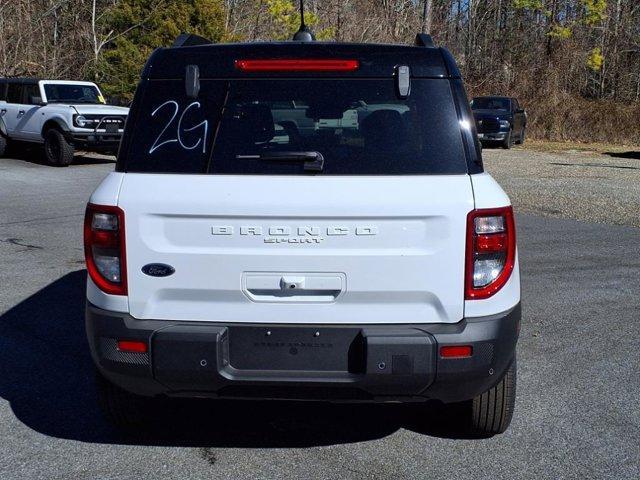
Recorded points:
(585, 186)
(578, 393)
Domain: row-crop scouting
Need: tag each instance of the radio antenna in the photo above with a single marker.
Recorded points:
(304, 34)
(302, 25)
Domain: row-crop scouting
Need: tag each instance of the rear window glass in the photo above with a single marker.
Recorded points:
(258, 126)
(488, 103)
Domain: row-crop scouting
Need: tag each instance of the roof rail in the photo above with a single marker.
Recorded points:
(424, 40)
(449, 61)
(189, 40)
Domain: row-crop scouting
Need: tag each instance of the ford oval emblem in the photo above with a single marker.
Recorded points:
(158, 270)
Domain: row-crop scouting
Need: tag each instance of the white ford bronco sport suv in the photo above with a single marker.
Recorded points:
(63, 115)
(295, 220)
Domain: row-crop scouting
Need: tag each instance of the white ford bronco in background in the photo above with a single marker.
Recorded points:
(295, 220)
(62, 115)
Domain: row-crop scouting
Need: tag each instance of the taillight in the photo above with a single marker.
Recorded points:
(491, 251)
(297, 65)
(104, 248)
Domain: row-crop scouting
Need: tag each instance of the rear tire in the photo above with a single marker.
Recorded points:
(125, 411)
(4, 144)
(56, 148)
(491, 411)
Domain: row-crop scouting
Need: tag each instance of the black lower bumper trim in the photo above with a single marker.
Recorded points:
(95, 141)
(316, 362)
(492, 136)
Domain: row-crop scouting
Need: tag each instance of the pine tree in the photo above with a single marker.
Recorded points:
(157, 24)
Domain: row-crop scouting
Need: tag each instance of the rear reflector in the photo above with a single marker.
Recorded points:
(297, 65)
(456, 351)
(132, 346)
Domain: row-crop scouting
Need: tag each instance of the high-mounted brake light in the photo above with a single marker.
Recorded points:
(297, 65)
(104, 248)
(491, 251)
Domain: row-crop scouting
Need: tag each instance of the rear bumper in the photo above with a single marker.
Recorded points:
(492, 136)
(313, 362)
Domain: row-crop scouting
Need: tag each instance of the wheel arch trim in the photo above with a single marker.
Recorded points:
(53, 123)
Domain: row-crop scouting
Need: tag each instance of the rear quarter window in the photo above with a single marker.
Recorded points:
(359, 126)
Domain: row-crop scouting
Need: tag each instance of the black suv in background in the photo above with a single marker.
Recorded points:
(499, 119)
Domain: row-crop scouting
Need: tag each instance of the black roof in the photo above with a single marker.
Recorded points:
(21, 80)
(494, 96)
(376, 60)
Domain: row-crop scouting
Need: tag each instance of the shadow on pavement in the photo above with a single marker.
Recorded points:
(35, 154)
(46, 374)
(635, 155)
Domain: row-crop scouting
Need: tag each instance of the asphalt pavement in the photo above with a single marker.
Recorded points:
(577, 412)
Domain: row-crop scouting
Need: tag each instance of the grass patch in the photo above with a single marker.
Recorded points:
(550, 146)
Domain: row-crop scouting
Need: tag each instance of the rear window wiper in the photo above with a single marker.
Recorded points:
(313, 161)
